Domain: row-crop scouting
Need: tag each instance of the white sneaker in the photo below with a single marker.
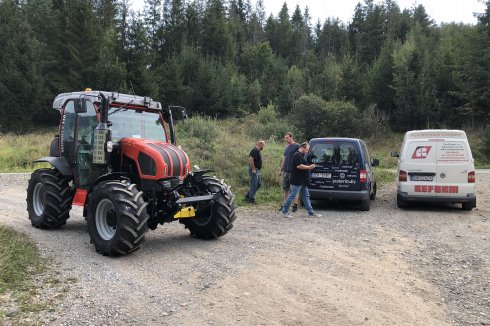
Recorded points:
(315, 215)
(286, 215)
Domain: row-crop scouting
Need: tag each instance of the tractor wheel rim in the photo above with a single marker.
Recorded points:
(106, 219)
(38, 199)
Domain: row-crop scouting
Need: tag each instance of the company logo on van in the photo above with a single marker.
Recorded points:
(421, 152)
(438, 189)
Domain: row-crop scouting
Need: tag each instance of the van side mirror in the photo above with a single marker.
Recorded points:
(374, 162)
(395, 154)
(80, 105)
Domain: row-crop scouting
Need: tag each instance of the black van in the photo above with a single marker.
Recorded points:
(344, 170)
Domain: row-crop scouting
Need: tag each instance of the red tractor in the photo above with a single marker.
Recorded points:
(116, 156)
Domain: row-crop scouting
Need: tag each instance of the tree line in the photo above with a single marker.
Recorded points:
(226, 58)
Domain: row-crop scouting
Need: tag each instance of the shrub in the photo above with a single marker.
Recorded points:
(309, 115)
(205, 130)
(268, 125)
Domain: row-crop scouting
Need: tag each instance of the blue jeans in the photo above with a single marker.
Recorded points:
(305, 195)
(254, 183)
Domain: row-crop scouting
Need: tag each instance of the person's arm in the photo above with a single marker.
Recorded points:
(298, 161)
(306, 167)
(279, 173)
(252, 164)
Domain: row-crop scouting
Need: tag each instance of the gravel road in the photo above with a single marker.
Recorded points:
(426, 265)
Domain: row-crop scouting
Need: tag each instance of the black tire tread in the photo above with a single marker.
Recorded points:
(131, 217)
(223, 214)
(58, 199)
(366, 205)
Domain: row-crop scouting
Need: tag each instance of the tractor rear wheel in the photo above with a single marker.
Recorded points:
(116, 217)
(215, 220)
(49, 198)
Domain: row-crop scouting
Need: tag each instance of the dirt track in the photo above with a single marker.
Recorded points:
(427, 265)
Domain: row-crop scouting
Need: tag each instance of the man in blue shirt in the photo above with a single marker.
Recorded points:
(287, 166)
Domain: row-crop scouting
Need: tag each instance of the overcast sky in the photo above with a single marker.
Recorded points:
(439, 10)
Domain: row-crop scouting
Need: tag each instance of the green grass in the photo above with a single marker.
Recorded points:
(19, 262)
(18, 151)
(19, 259)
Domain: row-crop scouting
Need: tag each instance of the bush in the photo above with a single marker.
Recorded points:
(205, 130)
(309, 115)
(266, 124)
(315, 117)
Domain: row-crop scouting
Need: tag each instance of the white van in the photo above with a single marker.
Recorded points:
(436, 166)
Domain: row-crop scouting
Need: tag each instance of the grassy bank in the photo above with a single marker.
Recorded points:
(18, 151)
(19, 262)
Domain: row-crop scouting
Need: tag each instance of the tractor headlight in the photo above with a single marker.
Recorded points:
(109, 146)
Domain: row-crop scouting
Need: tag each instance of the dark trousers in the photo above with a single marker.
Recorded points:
(254, 184)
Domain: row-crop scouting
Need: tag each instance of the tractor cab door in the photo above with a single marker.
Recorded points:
(85, 171)
(67, 139)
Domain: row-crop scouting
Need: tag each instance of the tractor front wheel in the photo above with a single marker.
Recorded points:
(116, 218)
(49, 198)
(215, 219)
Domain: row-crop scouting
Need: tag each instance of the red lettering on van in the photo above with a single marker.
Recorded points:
(437, 189)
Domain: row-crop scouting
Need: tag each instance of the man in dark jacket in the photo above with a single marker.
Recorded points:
(254, 167)
(300, 176)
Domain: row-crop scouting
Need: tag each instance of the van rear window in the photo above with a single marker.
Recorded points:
(335, 153)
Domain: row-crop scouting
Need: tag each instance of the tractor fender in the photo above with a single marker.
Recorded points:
(59, 163)
(119, 176)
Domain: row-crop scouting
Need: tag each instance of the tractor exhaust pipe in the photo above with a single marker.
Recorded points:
(102, 134)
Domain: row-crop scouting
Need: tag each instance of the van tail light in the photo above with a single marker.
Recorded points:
(402, 176)
(363, 176)
(471, 177)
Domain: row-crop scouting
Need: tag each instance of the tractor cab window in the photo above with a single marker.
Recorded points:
(86, 123)
(68, 131)
(136, 124)
(86, 172)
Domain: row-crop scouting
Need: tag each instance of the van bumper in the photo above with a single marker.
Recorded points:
(436, 199)
(338, 194)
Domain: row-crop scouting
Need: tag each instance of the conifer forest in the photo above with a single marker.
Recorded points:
(229, 58)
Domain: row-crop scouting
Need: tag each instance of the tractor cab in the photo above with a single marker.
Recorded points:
(114, 116)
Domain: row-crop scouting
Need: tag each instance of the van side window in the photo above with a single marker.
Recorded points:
(366, 153)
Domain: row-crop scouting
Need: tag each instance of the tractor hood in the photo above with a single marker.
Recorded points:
(155, 159)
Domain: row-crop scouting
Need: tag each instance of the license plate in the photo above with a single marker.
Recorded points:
(421, 178)
(322, 175)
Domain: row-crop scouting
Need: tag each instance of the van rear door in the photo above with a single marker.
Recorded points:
(338, 165)
(419, 162)
(454, 162)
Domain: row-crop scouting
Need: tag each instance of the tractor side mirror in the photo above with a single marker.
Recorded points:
(395, 154)
(80, 105)
(178, 117)
(374, 162)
